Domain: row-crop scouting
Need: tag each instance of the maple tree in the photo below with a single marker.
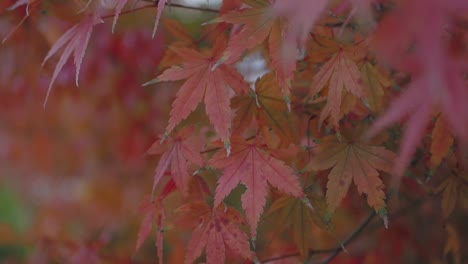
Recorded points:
(249, 121)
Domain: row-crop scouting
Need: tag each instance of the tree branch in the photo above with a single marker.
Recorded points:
(129, 11)
(296, 254)
(366, 223)
(203, 9)
(350, 238)
(154, 4)
(336, 250)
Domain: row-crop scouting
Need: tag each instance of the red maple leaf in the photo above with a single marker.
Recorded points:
(251, 165)
(204, 83)
(216, 229)
(176, 152)
(75, 40)
(154, 210)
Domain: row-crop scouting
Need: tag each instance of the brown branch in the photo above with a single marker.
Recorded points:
(401, 212)
(154, 4)
(336, 250)
(373, 227)
(210, 150)
(296, 254)
(366, 223)
(350, 238)
(129, 11)
(202, 9)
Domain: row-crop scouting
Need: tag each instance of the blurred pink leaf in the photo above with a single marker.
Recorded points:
(75, 40)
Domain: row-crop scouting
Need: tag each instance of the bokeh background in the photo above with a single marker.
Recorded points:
(74, 173)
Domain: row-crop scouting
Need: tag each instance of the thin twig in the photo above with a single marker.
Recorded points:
(335, 251)
(203, 9)
(296, 254)
(309, 132)
(210, 150)
(154, 5)
(350, 238)
(129, 11)
(370, 228)
(401, 212)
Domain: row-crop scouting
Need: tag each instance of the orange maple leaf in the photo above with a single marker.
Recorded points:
(250, 165)
(203, 83)
(303, 217)
(442, 140)
(215, 229)
(375, 83)
(352, 160)
(176, 152)
(342, 75)
(266, 108)
(453, 245)
(454, 188)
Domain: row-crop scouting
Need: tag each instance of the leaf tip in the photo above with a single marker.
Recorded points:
(153, 81)
(197, 172)
(307, 203)
(253, 242)
(227, 147)
(48, 94)
(328, 217)
(256, 260)
(382, 212)
(339, 137)
(218, 63)
(155, 28)
(165, 136)
(113, 26)
(212, 21)
(287, 100)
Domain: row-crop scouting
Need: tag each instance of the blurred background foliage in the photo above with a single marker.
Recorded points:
(73, 174)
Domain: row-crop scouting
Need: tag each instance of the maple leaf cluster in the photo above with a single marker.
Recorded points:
(343, 83)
